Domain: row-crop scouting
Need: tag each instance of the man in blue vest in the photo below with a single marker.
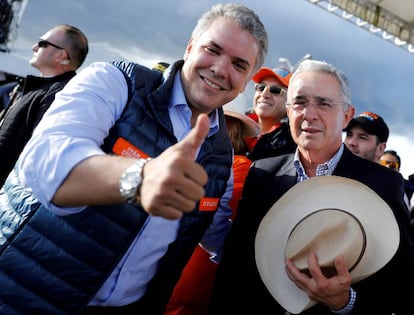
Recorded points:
(127, 172)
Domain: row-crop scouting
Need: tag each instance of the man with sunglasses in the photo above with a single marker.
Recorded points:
(57, 55)
(270, 112)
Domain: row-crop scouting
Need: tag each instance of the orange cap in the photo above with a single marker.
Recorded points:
(280, 73)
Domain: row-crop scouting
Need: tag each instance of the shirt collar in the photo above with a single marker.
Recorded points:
(178, 99)
(177, 96)
(323, 169)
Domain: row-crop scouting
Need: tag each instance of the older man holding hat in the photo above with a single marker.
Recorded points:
(319, 231)
(270, 112)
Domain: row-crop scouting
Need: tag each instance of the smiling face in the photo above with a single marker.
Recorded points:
(270, 106)
(218, 65)
(317, 129)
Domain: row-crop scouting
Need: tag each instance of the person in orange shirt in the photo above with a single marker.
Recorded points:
(192, 293)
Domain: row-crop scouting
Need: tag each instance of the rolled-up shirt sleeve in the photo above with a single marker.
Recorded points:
(72, 129)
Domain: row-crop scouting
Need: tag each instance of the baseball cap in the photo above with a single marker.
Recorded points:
(371, 123)
(280, 73)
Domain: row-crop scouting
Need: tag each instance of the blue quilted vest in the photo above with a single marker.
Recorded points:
(51, 264)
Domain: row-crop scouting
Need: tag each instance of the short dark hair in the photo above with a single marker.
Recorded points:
(76, 42)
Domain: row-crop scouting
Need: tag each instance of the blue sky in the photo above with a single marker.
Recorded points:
(380, 73)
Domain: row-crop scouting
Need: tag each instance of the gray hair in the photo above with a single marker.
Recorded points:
(244, 17)
(322, 66)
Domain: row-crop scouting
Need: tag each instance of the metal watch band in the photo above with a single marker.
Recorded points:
(131, 181)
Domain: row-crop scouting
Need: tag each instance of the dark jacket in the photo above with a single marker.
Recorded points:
(278, 141)
(238, 284)
(18, 120)
(55, 265)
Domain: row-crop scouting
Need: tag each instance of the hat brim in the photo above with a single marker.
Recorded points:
(379, 129)
(251, 127)
(358, 121)
(311, 195)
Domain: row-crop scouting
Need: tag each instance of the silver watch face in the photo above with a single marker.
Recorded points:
(131, 180)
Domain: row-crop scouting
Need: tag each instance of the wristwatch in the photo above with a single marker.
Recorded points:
(131, 181)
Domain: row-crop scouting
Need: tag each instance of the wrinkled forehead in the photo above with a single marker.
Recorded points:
(314, 84)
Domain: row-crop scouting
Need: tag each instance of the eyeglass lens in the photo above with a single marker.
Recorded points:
(272, 88)
(44, 43)
(389, 164)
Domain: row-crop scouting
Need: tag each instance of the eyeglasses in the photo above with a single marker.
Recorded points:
(321, 104)
(390, 164)
(43, 43)
(259, 87)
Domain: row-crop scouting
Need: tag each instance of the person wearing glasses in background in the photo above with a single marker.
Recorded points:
(57, 55)
(392, 160)
(270, 112)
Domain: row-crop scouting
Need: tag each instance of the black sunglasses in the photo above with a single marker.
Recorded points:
(43, 43)
(272, 88)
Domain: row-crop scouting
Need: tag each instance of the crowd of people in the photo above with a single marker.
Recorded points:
(159, 191)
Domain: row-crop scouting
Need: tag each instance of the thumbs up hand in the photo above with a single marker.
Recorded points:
(173, 182)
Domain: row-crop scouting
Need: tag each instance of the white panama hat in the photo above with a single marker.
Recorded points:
(330, 215)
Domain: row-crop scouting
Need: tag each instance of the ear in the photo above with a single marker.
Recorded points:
(349, 114)
(381, 148)
(380, 151)
(64, 57)
(188, 48)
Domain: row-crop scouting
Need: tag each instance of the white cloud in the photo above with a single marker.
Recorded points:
(380, 73)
